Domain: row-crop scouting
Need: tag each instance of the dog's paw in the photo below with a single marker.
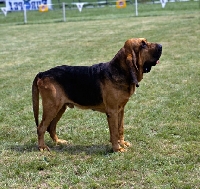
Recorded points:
(125, 144)
(42, 148)
(118, 148)
(60, 141)
(122, 150)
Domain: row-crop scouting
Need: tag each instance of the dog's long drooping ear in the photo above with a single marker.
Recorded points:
(131, 61)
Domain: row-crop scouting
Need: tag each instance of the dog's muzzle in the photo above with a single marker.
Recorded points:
(147, 65)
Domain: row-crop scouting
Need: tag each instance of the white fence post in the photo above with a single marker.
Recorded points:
(25, 16)
(136, 8)
(64, 17)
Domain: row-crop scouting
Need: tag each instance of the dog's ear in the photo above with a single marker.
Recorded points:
(131, 61)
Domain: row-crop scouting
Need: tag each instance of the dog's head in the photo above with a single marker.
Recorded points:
(141, 56)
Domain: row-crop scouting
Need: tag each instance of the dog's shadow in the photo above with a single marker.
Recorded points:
(70, 148)
(86, 149)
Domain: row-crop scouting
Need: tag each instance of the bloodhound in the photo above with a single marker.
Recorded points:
(104, 87)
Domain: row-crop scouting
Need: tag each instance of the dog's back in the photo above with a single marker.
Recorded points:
(80, 83)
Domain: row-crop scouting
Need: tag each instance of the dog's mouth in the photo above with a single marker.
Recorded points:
(147, 65)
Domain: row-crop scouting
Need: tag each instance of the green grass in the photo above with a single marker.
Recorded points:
(161, 119)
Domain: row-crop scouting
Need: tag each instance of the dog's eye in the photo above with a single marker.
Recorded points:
(144, 45)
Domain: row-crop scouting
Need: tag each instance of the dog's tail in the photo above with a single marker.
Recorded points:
(35, 99)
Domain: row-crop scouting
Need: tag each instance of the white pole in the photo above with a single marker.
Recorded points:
(64, 17)
(25, 16)
(136, 8)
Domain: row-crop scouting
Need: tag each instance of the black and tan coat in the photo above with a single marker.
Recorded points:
(104, 87)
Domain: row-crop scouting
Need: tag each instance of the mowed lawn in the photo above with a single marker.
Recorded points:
(162, 120)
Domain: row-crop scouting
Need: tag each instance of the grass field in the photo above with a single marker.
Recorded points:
(162, 120)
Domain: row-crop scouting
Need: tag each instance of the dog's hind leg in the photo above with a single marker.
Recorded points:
(42, 128)
(53, 108)
(50, 117)
(52, 127)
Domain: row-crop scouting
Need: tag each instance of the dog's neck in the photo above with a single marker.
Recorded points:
(123, 72)
(118, 62)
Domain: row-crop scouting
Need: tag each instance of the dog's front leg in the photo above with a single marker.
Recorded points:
(121, 141)
(112, 117)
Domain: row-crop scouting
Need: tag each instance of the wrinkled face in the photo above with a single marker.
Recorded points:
(149, 54)
(141, 56)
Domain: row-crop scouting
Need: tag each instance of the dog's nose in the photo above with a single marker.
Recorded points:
(159, 47)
